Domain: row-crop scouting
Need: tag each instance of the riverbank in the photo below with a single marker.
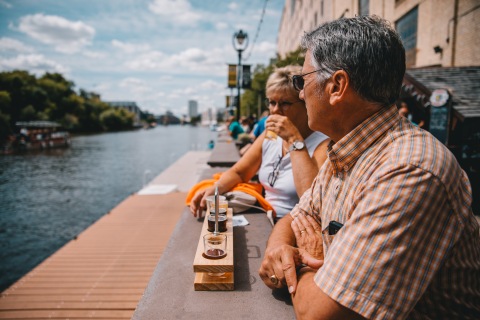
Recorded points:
(104, 271)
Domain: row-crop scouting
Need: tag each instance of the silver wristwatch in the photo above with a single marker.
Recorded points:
(296, 145)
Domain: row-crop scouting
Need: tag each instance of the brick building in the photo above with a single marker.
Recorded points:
(435, 32)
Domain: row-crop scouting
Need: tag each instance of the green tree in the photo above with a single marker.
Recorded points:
(115, 119)
(52, 97)
(5, 128)
(253, 99)
(5, 102)
(70, 122)
(28, 113)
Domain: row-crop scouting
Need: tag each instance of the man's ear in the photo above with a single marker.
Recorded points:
(337, 87)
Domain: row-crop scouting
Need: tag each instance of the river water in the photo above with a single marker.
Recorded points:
(49, 197)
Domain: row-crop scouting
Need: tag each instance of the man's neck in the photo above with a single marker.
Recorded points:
(350, 116)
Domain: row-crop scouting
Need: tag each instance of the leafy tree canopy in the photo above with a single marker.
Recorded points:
(51, 97)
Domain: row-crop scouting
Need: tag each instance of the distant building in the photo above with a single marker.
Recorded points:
(129, 106)
(168, 118)
(192, 108)
(434, 32)
(208, 117)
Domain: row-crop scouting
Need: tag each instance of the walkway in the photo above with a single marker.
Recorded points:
(102, 274)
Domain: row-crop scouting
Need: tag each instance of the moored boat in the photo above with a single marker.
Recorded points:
(37, 135)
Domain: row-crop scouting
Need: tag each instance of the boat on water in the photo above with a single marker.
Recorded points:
(37, 135)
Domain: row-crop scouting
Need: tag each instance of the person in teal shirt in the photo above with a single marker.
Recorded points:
(234, 127)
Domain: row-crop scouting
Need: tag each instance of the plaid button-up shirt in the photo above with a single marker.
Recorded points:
(410, 245)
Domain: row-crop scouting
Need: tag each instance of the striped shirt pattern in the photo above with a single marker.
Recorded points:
(410, 244)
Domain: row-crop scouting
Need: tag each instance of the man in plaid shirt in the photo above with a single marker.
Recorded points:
(386, 230)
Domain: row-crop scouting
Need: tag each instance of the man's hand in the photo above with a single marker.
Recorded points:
(308, 233)
(278, 267)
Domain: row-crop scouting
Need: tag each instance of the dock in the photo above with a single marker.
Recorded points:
(103, 273)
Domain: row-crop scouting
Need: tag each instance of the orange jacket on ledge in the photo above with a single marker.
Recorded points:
(253, 189)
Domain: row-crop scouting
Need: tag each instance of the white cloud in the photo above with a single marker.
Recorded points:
(190, 60)
(94, 54)
(67, 36)
(221, 26)
(179, 11)
(146, 61)
(9, 44)
(34, 63)
(233, 6)
(212, 85)
(130, 47)
(135, 85)
(265, 47)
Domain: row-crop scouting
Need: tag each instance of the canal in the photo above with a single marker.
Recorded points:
(49, 197)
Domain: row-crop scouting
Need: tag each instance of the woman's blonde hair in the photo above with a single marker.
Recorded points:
(281, 78)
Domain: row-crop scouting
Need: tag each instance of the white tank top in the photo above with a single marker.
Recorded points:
(283, 195)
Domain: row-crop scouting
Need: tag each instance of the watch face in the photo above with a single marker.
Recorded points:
(298, 145)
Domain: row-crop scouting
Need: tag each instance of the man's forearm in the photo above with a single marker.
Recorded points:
(282, 233)
(324, 306)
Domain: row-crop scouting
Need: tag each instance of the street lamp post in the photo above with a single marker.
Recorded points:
(240, 43)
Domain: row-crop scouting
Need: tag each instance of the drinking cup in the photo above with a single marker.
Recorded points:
(222, 222)
(222, 204)
(215, 246)
(271, 135)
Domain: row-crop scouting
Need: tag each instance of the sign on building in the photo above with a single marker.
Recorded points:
(440, 114)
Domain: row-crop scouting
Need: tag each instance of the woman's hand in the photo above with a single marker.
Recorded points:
(308, 234)
(199, 202)
(283, 127)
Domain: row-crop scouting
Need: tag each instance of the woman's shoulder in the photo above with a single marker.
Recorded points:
(316, 138)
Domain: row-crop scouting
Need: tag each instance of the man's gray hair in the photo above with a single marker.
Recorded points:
(367, 48)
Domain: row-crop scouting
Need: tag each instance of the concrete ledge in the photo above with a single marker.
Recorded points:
(184, 172)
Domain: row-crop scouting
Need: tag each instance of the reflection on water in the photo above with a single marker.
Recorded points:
(48, 198)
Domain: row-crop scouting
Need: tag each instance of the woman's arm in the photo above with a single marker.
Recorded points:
(305, 168)
(242, 171)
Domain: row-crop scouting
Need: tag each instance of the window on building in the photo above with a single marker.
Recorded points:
(321, 8)
(315, 19)
(407, 29)
(292, 7)
(363, 7)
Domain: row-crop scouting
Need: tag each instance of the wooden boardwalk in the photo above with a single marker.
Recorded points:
(102, 274)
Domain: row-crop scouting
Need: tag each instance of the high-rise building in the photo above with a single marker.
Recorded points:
(192, 108)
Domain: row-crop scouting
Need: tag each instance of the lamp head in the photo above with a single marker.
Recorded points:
(240, 40)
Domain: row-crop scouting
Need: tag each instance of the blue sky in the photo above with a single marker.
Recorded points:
(159, 53)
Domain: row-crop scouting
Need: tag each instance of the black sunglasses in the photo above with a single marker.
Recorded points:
(299, 82)
(272, 177)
